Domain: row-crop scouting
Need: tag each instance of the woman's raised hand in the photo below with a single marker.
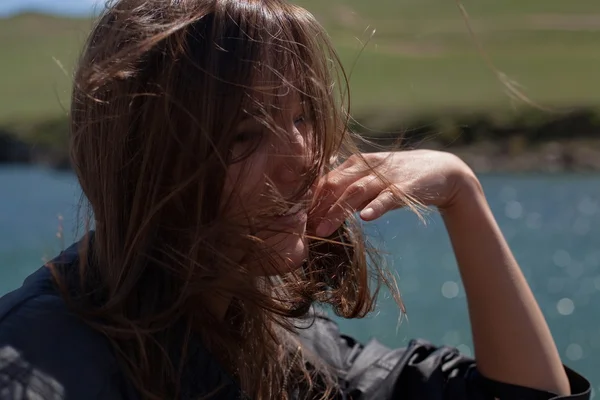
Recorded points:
(378, 182)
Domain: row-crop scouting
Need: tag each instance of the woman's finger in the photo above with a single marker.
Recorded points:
(354, 197)
(333, 185)
(386, 201)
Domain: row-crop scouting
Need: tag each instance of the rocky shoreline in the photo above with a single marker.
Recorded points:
(569, 155)
(14, 151)
(551, 157)
(529, 141)
(581, 156)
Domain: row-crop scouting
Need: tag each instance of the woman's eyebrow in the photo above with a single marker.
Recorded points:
(253, 113)
(250, 114)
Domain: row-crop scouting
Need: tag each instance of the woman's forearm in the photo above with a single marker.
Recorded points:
(512, 341)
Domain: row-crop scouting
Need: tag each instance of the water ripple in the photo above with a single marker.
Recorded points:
(574, 352)
(450, 289)
(565, 306)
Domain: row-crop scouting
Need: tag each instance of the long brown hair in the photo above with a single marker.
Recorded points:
(158, 91)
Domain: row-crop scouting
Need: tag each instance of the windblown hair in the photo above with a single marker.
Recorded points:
(159, 89)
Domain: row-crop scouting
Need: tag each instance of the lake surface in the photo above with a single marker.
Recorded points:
(552, 223)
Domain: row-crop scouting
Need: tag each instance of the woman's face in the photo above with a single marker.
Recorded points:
(267, 180)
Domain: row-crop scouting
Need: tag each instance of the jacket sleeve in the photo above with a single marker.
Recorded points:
(424, 371)
(421, 371)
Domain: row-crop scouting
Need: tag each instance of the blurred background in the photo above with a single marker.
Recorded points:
(518, 98)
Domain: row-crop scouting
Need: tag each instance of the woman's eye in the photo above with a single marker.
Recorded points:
(246, 136)
(300, 120)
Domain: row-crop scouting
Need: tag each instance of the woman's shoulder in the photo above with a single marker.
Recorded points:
(46, 349)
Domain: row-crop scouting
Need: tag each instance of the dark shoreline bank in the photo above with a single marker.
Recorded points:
(526, 141)
(571, 155)
(568, 155)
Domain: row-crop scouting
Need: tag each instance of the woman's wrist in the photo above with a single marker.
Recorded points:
(466, 194)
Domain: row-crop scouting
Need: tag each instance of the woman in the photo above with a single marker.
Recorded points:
(206, 136)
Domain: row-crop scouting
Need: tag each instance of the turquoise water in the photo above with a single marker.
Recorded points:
(551, 221)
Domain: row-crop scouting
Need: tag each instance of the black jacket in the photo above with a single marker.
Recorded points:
(48, 353)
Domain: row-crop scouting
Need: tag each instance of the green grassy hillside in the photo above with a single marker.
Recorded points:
(420, 60)
(32, 85)
(422, 56)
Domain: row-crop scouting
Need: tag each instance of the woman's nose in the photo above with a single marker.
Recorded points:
(292, 159)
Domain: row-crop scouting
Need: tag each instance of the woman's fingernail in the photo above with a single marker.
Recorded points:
(323, 229)
(367, 213)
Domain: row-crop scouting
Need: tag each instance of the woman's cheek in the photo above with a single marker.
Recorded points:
(245, 182)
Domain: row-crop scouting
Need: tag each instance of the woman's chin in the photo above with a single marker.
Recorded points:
(290, 251)
(295, 255)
